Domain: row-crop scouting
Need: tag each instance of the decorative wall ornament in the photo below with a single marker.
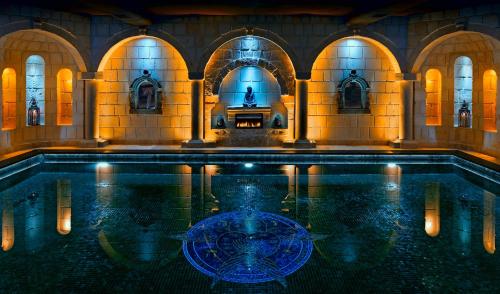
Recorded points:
(145, 95)
(353, 94)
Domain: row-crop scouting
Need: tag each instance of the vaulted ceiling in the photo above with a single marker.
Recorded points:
(145, 12)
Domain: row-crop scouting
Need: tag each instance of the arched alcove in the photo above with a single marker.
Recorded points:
(462, 88)
(433, 97)
(264, 84)
(372, 62)
(260, 63)
(64, 97)
(124, 63)
(249, 51)
(9, 97)
(464, 60)
(35, 89)
(490, 84)
(57, 53)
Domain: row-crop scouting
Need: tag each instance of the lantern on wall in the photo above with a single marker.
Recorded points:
(464, 116)
(33, 113)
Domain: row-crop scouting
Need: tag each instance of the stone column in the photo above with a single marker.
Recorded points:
(197, 111)
(91, 107)
(406, 118)
(301, 93)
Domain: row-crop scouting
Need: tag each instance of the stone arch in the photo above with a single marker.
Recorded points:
(377, 39)
(437, 37)
(123, 37)
(284, 84)
(61, 35)
(249, 51)
(257, 32)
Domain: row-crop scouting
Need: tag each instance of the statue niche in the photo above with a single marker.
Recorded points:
(145, 95)
(353, 94)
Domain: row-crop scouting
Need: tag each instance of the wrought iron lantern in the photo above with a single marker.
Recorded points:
(33, 113)
(464, 116)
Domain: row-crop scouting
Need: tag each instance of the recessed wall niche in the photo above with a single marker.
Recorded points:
(9, 99)
(35, 85)
(145, 95)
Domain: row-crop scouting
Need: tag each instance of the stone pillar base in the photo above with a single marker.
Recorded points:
(102, 143)
(404, 144)
(197, 144)
(301, 144)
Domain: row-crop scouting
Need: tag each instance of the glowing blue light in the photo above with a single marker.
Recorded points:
(247, 247)
(102, 164)
(391, 165)
(248, 165)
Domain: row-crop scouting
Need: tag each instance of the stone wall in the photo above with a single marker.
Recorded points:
(86, 40)
(333, 65)
(127, 63)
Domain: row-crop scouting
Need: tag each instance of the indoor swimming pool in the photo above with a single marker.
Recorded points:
(248, 224)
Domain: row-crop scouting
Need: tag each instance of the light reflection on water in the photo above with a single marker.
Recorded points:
(386, 219)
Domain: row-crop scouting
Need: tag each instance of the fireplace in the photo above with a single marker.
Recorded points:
(249, 120)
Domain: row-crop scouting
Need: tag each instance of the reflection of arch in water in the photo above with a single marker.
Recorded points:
(139, 229)
(361, 231)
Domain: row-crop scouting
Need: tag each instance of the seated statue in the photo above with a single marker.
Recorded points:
(249, 100)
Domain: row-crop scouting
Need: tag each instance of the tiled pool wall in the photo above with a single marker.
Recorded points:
(470, 170)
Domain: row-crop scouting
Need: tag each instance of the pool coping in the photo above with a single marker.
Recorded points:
(478, 158)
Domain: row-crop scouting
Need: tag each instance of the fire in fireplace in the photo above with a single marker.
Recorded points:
(249, 120)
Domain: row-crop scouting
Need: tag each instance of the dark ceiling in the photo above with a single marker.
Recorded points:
(145, 12)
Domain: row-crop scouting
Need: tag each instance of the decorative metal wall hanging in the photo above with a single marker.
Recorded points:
(145, 95)
(353, 94)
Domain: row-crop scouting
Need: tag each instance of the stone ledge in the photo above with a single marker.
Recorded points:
(300, 144)
(198, 144)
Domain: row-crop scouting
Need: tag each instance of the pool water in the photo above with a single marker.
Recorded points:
(113, 227)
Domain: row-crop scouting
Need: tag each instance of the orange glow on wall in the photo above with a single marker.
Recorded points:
(432, 215)
(489, 100)
(433, 97)
(9, 99)
(63, 207)
(64, 97)
(489, 222)
(7, 225)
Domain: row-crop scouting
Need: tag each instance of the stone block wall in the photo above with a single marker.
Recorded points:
(14, 51)
(334, 64)
(127, 63)
(301, 38)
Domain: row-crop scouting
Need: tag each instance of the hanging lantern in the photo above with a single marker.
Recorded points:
(464, 116)
(33, 113)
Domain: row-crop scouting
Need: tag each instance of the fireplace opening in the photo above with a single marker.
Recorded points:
(249, 120)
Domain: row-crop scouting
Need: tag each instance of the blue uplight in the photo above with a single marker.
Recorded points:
(247, 247)
(248, 165)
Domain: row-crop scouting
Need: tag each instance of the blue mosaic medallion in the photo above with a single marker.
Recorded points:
(247, 247)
